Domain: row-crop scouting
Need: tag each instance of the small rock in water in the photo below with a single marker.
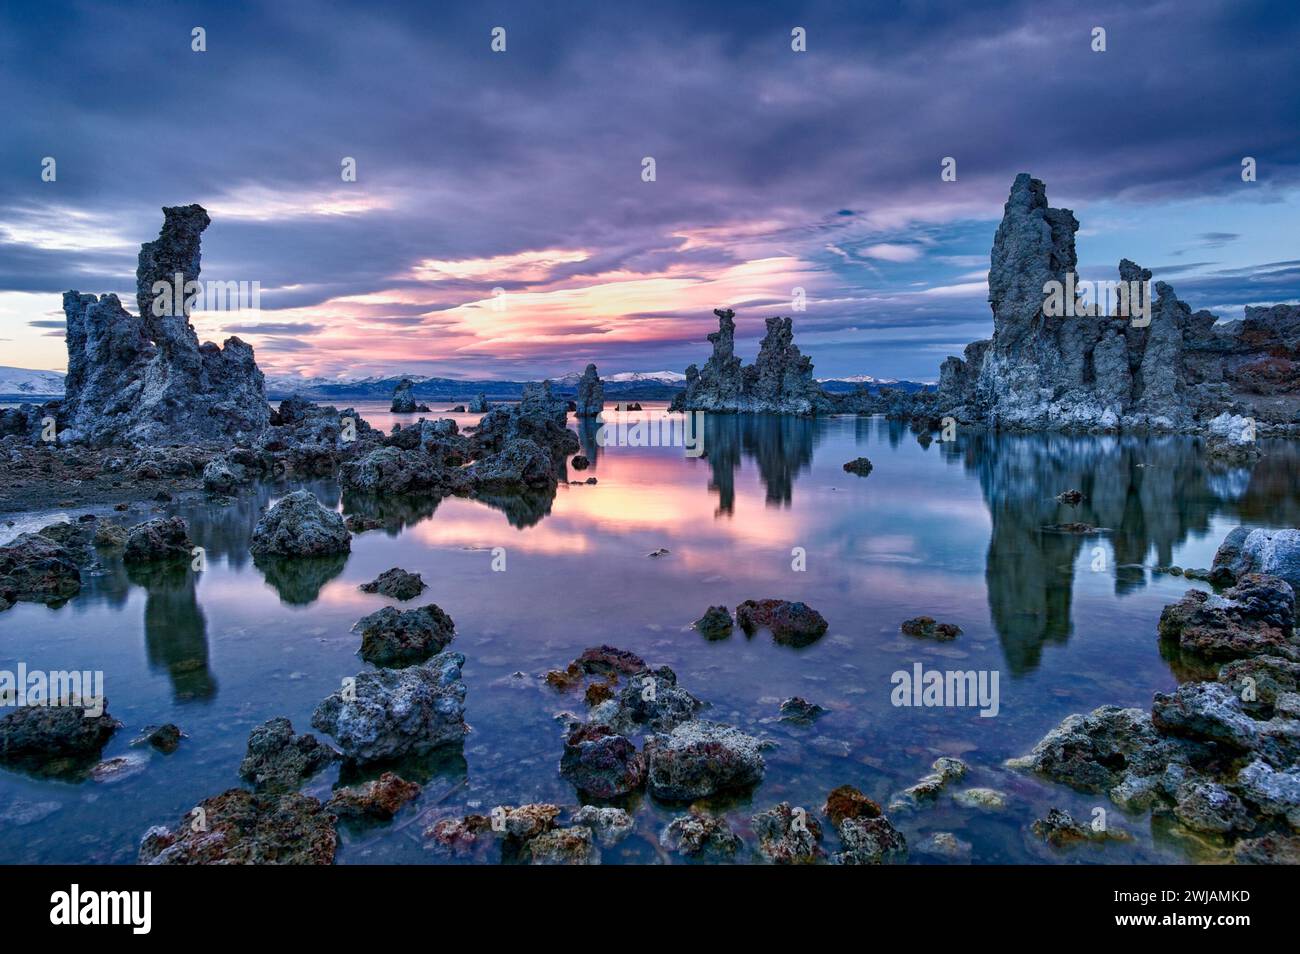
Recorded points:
(661, 552)
(701, 836)
(562, 846)
(791, 623)
(788, 836)
(986, 798)
(943, 770)
(580, 462)
(698, 759)
(601, 763)
(277, 760)
(1059, 829)
(396, 638)
(158, 539)
(397, 583)
(859, 466)
(1071, 497)
(242, 827)
(716, 623)
(945, 844)
(800, 711)
(924, 627)
(847, 802)
(1079, 528)
(611, 825)
(299, 526)
(165, 738)
(379, 799)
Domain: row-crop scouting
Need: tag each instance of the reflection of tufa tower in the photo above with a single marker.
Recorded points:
(1148, 493)
(782, 447)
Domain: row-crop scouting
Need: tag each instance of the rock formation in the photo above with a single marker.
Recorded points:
(591, 393)
(1170, 370)
(780, 381)
(404, 398)
(146, 379)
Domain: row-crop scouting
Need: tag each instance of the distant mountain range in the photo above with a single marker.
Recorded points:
(18, 383)
(25, 384)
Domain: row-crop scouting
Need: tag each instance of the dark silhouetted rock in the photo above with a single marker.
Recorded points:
(590, 399)
(146, 379)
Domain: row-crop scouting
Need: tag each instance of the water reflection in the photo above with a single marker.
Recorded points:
(175, 629)
(781, 447)
(1148, 494)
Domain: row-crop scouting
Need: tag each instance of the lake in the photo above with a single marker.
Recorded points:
(949, 530)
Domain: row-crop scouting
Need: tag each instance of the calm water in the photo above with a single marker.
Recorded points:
(950, 531)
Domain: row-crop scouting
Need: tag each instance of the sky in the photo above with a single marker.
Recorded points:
(500, 225)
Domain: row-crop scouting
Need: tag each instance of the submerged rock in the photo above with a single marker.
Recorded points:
(299, 526)
(610, 825)
(397, 583)
(277, 760)
(800, 711)
(239, 827)
(791, 623)
(716, 623)
(701, 836)
(165, 738)
(389, 713)
(924, 627)
(163, 538)
(1059, 829)
(377, 800)
(943, 770)
(562, 846)
(699, 758)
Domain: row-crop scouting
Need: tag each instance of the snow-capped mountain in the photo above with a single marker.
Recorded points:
(25, 381)
(860, 379)
(659, 377)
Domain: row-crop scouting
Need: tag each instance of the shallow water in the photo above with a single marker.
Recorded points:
(951, 531)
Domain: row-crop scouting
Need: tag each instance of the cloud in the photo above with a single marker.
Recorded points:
(522, 170)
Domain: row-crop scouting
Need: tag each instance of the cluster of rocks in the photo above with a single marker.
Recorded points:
(1219, 755)
(48, 566)
(780, 381)
(377, 717)
(791, 623)
(1101, 372)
